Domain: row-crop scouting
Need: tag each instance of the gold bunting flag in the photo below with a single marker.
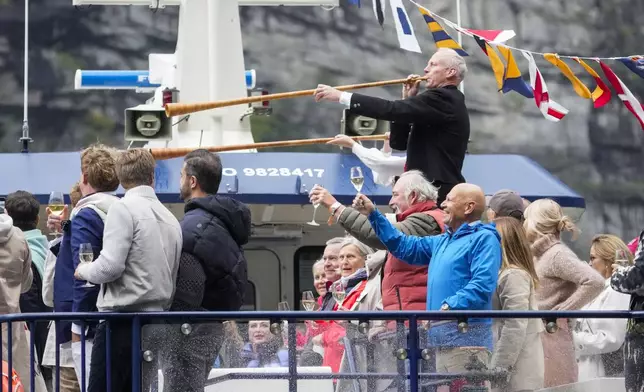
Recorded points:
(578, 85)
(495, 61)
(601, 95)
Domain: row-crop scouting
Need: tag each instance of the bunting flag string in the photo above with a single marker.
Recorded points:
(629, 100)
(550, 109)
(601, 95)
(506, 71)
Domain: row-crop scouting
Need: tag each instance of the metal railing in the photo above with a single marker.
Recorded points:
(412, 351)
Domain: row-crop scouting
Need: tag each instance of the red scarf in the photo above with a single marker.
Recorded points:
(420, 207)
(353, 296)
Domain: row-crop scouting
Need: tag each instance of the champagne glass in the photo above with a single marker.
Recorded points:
(86, 255)
(357, 179)
(620, 258)
(56, 206)
(308, 301)
(338, 293)
(315, 209)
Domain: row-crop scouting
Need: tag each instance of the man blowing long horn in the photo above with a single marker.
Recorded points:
(433, 126)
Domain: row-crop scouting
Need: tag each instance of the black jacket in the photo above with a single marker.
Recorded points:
(631, 281)
(214, 229)
(433, 126)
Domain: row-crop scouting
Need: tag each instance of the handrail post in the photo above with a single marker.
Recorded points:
(292, 357)
(32, 356)
(413, 353)
(136, 354)
(10, 353)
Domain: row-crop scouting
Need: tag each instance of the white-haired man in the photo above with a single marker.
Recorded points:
(433, 126)
(414, 202)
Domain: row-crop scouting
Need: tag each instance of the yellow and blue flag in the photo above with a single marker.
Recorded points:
(442, 39)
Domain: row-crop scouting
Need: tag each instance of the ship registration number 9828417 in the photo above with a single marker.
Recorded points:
(274, 172)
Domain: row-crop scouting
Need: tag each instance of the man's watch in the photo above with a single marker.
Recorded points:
(65, 225)
(444, 306)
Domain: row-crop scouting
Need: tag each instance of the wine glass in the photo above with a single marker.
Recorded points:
(315, 208)
(339, 293)
(308, 301)
(56, 206)
(620, 258)
(357, 179)
(86, 255)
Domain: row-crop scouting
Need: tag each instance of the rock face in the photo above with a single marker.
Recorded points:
(598, 152)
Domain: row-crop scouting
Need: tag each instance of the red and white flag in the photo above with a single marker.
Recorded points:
(550, 109)
(629, 100)
(494, 36)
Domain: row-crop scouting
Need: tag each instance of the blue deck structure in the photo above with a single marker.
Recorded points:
(286, 178)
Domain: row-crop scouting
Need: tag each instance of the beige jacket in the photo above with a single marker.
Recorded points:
(518, 341)
(565, 283)
(16, 277)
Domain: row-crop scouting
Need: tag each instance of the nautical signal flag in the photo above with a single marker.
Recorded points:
(601, 95)
(635, 64)
(629, 100)
(495, 61)
(579, 87)
(550, 109)
(406, 36)
(512, 79)
(494, 36)
(441, 38)
(379, 10)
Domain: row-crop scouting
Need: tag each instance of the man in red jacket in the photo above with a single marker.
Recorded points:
(414, 201)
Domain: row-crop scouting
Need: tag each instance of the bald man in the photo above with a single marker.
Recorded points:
(433, 126)
(464, 266)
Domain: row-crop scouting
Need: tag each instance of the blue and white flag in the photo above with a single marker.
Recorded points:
(406, 36)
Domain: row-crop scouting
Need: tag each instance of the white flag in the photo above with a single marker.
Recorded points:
(406, 36)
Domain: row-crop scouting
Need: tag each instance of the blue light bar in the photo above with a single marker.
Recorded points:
(129, 80)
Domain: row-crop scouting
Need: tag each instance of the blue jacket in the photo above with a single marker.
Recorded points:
(214, 230)
(463, 272)
(87, 227)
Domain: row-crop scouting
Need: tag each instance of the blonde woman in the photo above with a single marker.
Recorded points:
(599, 341)
(565, 283)
(518, 347)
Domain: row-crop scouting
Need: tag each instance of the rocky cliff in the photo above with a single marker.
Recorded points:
(595, 151)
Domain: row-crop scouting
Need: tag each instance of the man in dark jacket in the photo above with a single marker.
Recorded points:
(212, 270)
(433, 126)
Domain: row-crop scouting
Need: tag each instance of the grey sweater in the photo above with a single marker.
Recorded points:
(137, 268)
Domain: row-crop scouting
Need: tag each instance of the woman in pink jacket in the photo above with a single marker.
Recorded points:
(566, 283)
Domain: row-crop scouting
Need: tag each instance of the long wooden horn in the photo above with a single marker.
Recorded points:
(177, 109)
(169, 153)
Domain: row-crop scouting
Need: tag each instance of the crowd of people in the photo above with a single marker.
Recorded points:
(446, 247)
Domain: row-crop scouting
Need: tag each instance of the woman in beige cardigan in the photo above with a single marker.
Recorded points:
(518, 346)
(565, 283)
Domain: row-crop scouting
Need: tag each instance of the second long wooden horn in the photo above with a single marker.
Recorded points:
(177, 109)
(169, 153)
